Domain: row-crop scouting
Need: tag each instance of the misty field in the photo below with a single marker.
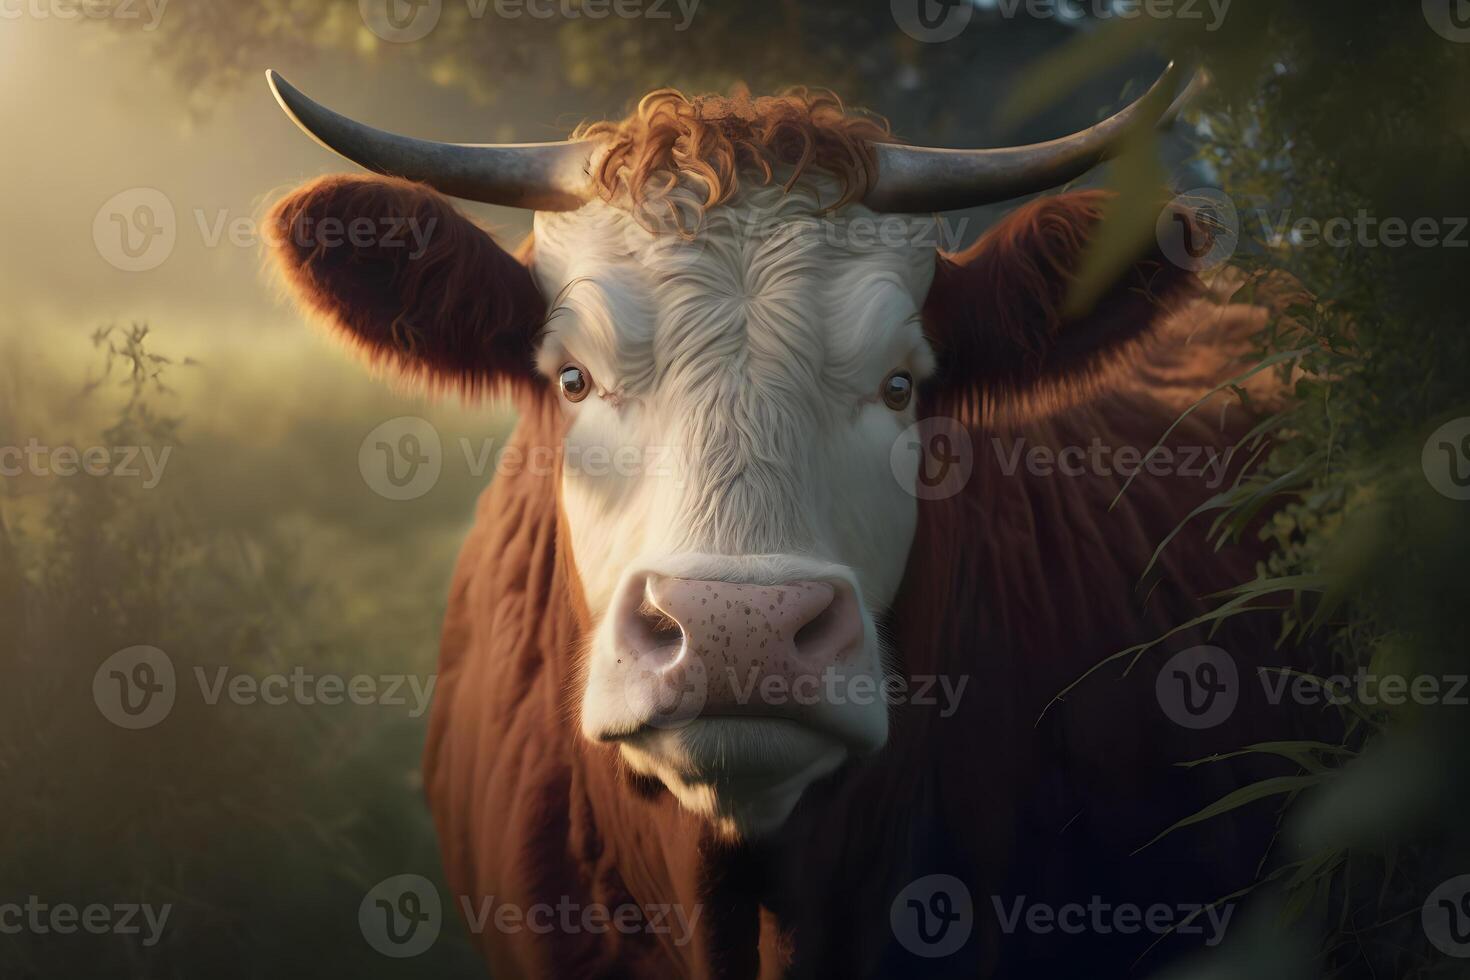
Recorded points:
(256, 549)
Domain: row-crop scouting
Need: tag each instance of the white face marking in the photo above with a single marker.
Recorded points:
(735, 408)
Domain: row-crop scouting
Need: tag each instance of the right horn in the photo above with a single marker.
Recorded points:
(542, 176)
(919, 179)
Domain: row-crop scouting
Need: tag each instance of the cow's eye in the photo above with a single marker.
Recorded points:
(898, 388)
(574, 383)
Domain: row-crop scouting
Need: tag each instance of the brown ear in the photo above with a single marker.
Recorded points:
(409, 281)
(995, 314)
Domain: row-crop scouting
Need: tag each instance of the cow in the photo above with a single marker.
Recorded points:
(779, 694)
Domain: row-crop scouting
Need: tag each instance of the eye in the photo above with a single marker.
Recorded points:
(898, 388)
(575, 383)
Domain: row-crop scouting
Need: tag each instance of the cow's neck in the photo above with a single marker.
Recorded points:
(765, 909)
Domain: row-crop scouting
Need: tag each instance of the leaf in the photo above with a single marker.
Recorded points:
(1257, 498)
(1221, 499)
(1271, 361)
(1301, 751)
(1127, 227)
(1233, 607)
(1067, 70)
(1285, 583)
(1274, 786)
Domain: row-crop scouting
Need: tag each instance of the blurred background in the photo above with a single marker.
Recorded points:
(141, 146)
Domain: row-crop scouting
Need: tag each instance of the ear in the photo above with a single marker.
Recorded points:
(414, 285)
(995, 314)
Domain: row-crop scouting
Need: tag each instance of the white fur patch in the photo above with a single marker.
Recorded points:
(748, 362)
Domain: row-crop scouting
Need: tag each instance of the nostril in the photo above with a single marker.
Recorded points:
(818, 631)
(644, 626)
(833, 633)
(657, 628)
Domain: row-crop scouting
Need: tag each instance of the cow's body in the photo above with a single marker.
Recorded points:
(1020, 583)
(585, 831)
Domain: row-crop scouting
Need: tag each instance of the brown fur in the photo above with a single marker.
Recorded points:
(717, 139)
(1020, 582)
(997, 314)
(460, 316)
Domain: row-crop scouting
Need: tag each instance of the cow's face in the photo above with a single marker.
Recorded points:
(732, 402)
(737, 513)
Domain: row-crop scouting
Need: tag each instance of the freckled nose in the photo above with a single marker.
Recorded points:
(734, 636)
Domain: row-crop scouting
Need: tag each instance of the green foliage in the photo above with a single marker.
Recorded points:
(261, 825)
(212, 45)
(1327, 112)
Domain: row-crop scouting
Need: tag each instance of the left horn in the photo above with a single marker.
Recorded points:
(918, 179)
(543, 176)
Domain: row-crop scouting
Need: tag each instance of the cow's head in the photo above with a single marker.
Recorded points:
(737, 326)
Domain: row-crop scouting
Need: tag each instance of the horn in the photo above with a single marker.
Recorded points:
(918, 179)
(543, 176)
